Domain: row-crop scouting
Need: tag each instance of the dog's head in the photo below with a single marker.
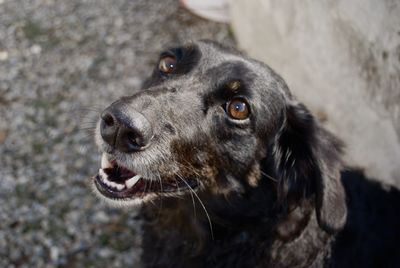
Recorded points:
(210, 121)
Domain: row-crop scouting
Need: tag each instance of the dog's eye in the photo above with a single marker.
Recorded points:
(238, 109)
(167, 64)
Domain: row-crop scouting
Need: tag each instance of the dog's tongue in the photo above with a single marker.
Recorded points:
(118, 174)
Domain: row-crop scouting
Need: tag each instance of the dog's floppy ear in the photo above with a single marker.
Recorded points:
(308, 163)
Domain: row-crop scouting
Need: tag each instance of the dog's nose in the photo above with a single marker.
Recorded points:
(125, 129)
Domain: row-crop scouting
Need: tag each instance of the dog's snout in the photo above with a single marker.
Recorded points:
(125, 129)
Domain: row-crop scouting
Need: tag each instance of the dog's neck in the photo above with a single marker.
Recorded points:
(234, 225)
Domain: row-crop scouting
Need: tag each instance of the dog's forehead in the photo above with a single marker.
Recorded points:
(213, 56)
(220, 62)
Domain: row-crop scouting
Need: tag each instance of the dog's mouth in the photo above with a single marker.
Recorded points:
(117, 182)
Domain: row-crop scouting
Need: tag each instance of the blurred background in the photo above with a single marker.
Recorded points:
(62, 62)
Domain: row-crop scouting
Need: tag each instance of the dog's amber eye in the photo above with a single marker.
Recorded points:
(167, 64)
(238, 109)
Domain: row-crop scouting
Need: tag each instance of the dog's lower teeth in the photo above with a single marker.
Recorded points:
(103, 175)
(132, 181)
(114, 185)
(111, 184)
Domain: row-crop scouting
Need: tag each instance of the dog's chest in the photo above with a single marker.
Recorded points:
(178, 249)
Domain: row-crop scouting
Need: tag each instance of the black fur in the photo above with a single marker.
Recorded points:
(273, 189)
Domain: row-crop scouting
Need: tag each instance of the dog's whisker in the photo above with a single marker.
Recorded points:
(269, 176)
(87, 125)
(190, 167)
(177, 185)
(86, 114)
(87, 130)
(91, 108)
(160, 198)
(203, 206)
(193, 201)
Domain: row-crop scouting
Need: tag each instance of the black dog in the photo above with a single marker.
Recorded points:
(234, 172)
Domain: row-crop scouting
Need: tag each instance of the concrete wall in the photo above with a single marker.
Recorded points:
(342, 59)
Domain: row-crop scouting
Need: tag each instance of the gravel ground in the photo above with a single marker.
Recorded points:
(61, 62)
